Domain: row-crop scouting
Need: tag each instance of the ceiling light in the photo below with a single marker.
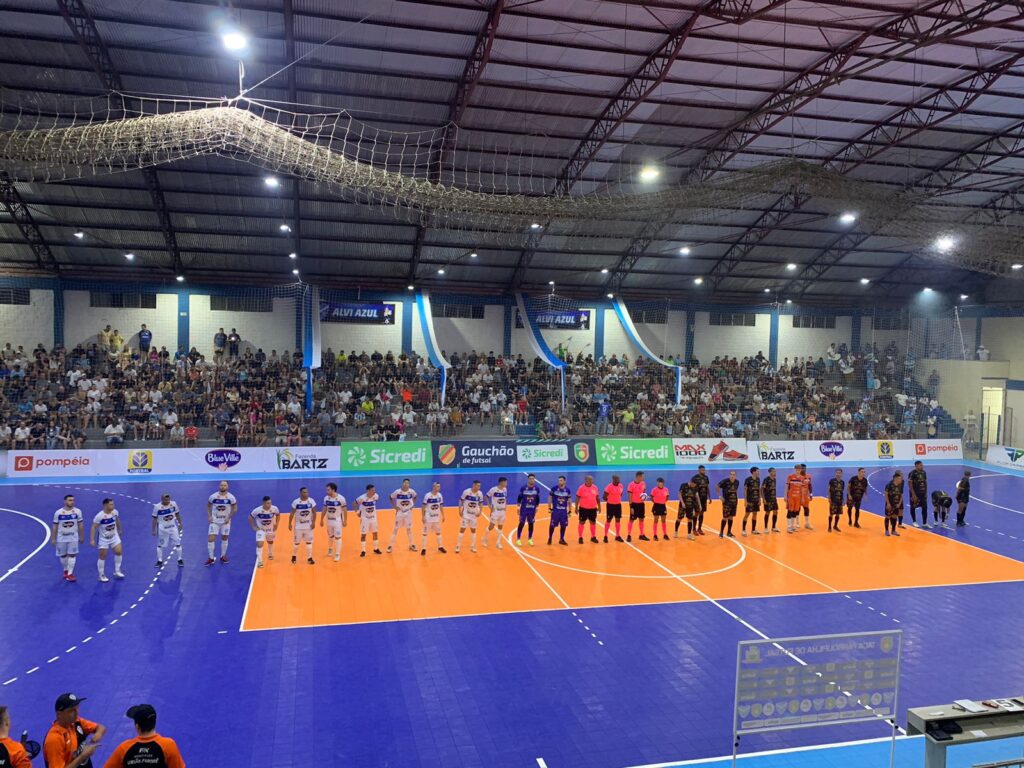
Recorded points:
(684, 251)
(272, 182)
(180, 278)
(789, 301)
(234, 40)
(440, 271)
(767, 290)
(604, 271)
(535, 225)
(848, 218)
(130, 256)
(551, 282)
(611, 295)
(473, 255)
(293, 255)
(285, 228)
(295, 271)
(1016, 266)
(649, 173)
(864, 281)
(963, 297)
(944, 244)
(926, 289)
(791, 266)
(411, 287)
(698, 281)
(79, 234)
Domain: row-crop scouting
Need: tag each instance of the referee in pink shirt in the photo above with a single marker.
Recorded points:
(637, 491)
(588, 504)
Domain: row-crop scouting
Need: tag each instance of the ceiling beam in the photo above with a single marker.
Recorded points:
(83, 27)
(15, 206)
(289, 47)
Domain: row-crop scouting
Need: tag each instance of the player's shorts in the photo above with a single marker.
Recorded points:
(109, 542)
(165, 536)
(703, 503)
(559, 517)
(588, 515)
(835, 507)
(368, 525)
(527, 514)
(896, 512)
(637, 511)
(498, 516)
(853, 502)
(771, 505)
(613, 511)
(334, 529)
(659, 510)
(67, 548)
(304, 535)
(220, 528)
(432, 527)
(469, 521)
(262, 535)
(728, 511)
(751, 505)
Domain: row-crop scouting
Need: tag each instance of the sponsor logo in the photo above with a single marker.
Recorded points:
(690, 450)
(531, 454)
(886, 449)
(582, 452)
(223, 458)
(289, 459)
(446, 453)
(920, 449)
(831, 449)
(409, 455)
(485, 454)
(923, 449)
(29, 463)
(1013, 454)
(627, 452)
(140, 462)
(766, 452)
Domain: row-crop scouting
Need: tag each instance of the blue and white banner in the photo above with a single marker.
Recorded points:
(571, 319)
(622, 312)
(357, 312)
(434, 351)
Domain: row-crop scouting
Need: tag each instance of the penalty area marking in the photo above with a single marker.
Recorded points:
(36, 551)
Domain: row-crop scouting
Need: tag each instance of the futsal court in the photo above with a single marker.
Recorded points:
(605, 655)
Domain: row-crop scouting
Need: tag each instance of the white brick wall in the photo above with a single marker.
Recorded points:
(665, 340)
(801, 342)
(364, 338)
(733, 341)
(465, 335)
(28, 325)
(267, 330)
(83, 323)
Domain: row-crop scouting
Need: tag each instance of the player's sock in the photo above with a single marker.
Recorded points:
(101, 565)
(224, 548)
(775, 519)
(530, 529)
(743, 524)
(458, 538)
(295, 550)
(618, 528)
(362, 546)
(259, 555)
(472, 538)
(561, 531)
(159, 554)
(678, 523)
(117, 563)
(210, 545)
(730, 526)
(70, 567)
(64, 563)
(551, 531)
(309, 549)
(721, 530)
(629, 527)
(270, 549)
(689, 527)
(642, 528)
(424, 541)
(913, 515)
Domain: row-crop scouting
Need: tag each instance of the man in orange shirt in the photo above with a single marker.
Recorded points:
(587, 506)
(808, 495)
(148, 747)
(12, 753)
(67, 743)
(794, 499)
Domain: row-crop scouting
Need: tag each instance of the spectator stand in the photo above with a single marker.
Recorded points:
(556, 313)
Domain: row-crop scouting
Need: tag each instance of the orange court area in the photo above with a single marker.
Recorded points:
(405, 585)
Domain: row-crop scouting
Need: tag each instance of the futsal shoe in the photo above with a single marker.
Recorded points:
(916, 524)
(442, 550)
(65, 574)
(259, 563)
(483, 543)
(209, 561)
(731, 455)
(730, 535)
(744, 533)
(412, 547)
(691, 537)
(118, 575)
(530, 542)
(775, 530)
(294, 559)
(71, 577)
(756, 533)
(458, 548)
(563, 542)
(362, 554)
(581, 540)
(423, 553)
(716, 451)
(388, 550)
(619, 539)
(605, 539)
(593, 539)
(159, 563)
(310, 560)
(223, 559)
(655, 537)
(377, 552)
(642, 537)
(519, 542)
(499, 545)
(103, 578)
(895, 533)
(629, 537)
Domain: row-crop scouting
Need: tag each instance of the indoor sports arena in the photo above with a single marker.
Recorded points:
(511, 383)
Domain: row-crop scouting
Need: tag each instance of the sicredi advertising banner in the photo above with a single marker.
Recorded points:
(372, 456)
(639, 452)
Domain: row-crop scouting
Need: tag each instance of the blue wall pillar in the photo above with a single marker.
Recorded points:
(58, 313)
(691, 325)
(773, 339)
(506, 338)
(855, 323)
(183, 327)
(599, 332)
(408, 307)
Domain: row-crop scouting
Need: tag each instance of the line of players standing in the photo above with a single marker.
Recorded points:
(759, 496)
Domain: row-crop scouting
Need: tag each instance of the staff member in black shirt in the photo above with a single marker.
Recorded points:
(941, 504)
(918, 494)
(703, 492)
(963, 495)
(893, 502)
(751, 501)
(770, 495)
(688, 505)
(729, 489)
(836, 487)
(855, 491)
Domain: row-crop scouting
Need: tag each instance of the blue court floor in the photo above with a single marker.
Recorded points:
(644, 685)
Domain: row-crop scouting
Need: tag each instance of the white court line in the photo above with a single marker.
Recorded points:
(248, 597)
(791, 568)
(46, 540)
(541, 763)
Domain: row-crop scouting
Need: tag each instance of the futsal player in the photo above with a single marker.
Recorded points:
(167, 527)
(470, 505)
(107, 523)
(688, 505)
(703, 493)
(264, 521)
(729, 489)
(433, 516)
(403, 499)
(334, 516)
(836, 489)
(808, 494)
(67, 532)
(751, 501)
(303, 517)
(560, 507)
(963, 496)
(220, 508)
(941, 504)
(497, 501)
(770, 496)
(528, 501)
(893, 502)
(366, 508)
(918, 494)
(659, 507)
(612, 496)
(855, 491)
(794, 498)
(637, 493)
(588, 504)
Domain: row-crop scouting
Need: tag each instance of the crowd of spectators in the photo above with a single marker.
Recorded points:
(114, 391)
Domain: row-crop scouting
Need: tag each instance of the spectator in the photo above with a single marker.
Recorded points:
(191, 436)
(176, 436)
(220, 340)
(983, 353)
(233, 342)
(145, 340)
(21, 436)
(147, 747)
(105, 336)
(71, 740)
(114, 433)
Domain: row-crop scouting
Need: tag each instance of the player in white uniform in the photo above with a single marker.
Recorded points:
(366, 508)
(334, 514)
(470, 505)
(108, 524)
(404, 499)
(433, 516)
(67, 532)
(303, 517)
(497, 498)
(167, 528)
(220, 508)
(264, 520)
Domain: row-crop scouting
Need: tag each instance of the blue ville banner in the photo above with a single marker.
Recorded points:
(357, 312)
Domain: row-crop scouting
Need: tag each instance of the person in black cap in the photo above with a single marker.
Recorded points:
(147, 748)
(68, 743)
(12, 753)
